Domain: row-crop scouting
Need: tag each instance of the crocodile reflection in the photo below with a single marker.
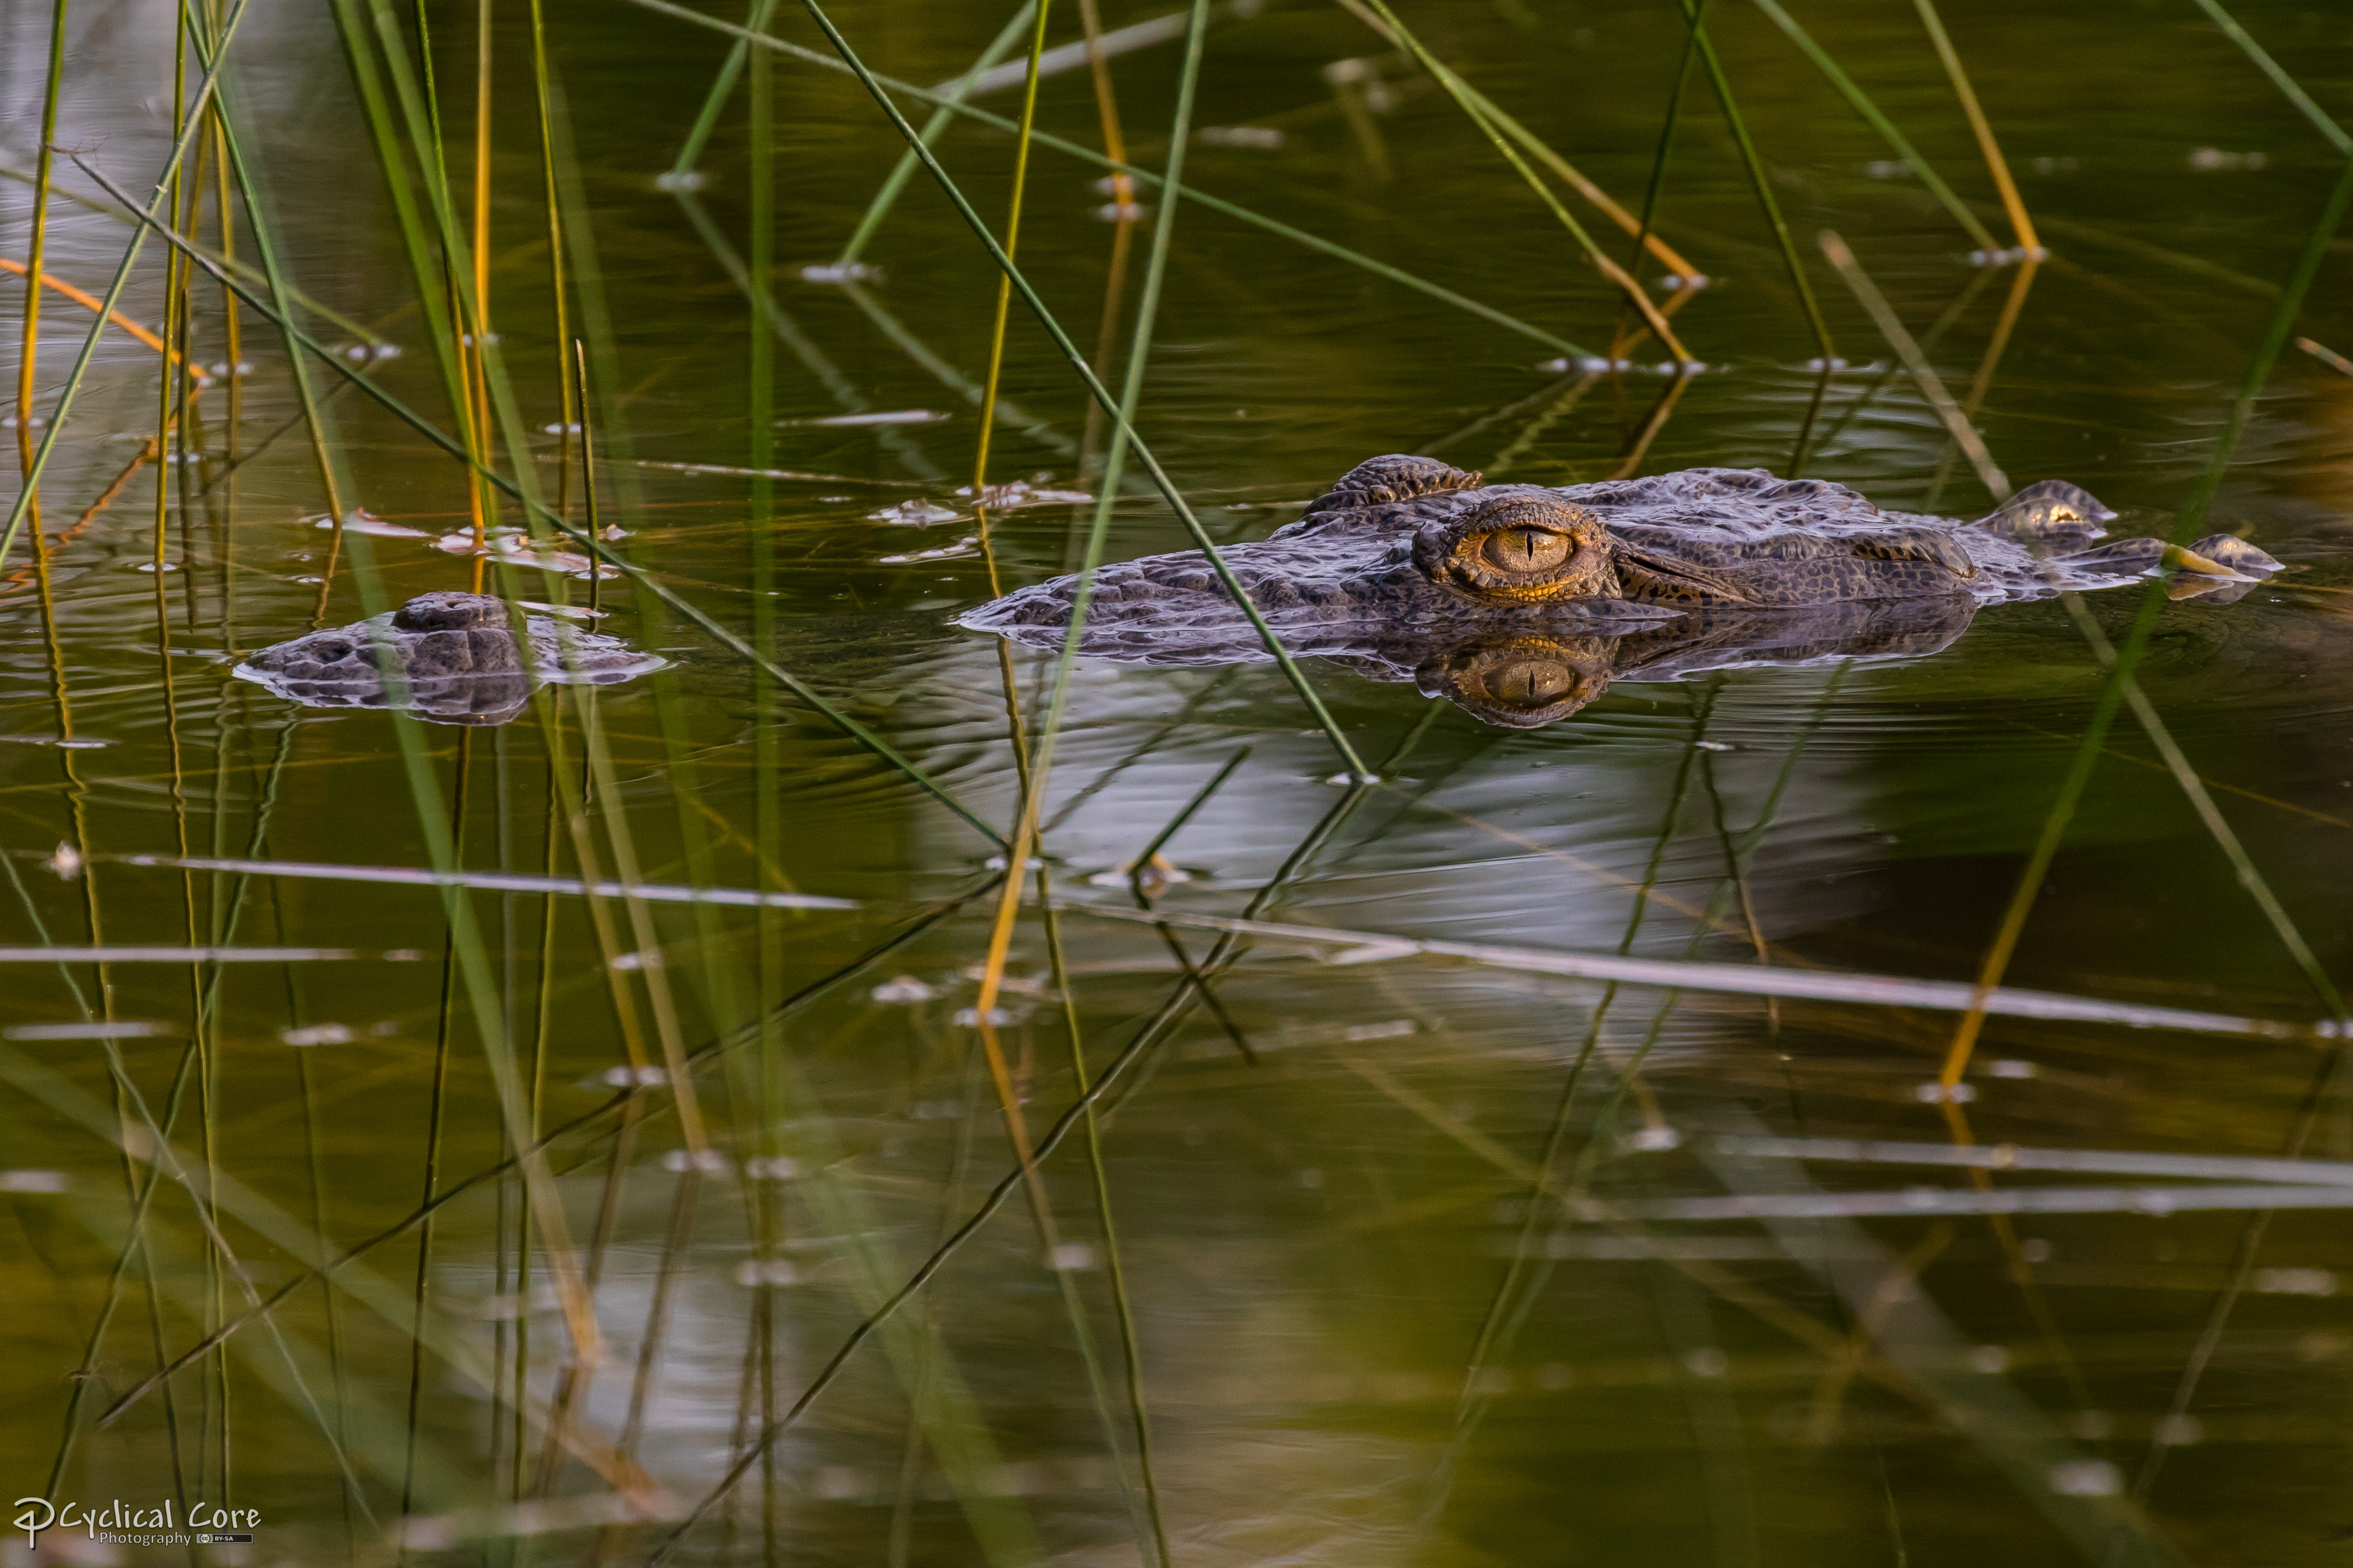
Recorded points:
(449, 657)
(1523, 678)
(1521, 603)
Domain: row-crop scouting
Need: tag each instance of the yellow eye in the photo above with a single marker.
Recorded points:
(1532, 683)
(1525, 549)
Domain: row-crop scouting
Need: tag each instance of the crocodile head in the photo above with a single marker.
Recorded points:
(450, 657)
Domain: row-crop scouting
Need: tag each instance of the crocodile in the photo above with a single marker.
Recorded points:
(449, 657)
(1520, 602)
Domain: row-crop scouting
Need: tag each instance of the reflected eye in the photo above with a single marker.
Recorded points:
(1525, 549)
(1532, 683)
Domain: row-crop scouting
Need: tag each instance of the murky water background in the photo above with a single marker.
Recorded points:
(1397, 1240)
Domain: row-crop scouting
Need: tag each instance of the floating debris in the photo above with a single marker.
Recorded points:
(521, 549)
(2004, 257)
(86, 1031)
(2295, 1282)
(904, 990)
(1123, 212)
(893, 417)
(636, 1077)
(1262, 138)
(2087, 1478)
(679, 180)
(915, 513)
(840, 272)
(1015, 494)
(1156, 879)
(32, 1181)
(335, 1034)
(965, 546)
(1674, 283)
(710, 1161)
(366, 351)
(2206, 160)
(66, 863)
(359, 519)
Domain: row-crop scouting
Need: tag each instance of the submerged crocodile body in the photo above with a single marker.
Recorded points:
(449, 657)
(1520, 603)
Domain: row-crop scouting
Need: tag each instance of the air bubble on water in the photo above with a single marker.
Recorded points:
(840, 272)
(903, 989)
(679, 180)
(319, 1035)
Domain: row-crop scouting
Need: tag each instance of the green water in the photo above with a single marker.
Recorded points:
(1398, 1263)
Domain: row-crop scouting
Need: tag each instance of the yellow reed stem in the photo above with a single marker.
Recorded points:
(2020, 225)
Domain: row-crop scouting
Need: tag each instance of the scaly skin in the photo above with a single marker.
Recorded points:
(1410, 569)
(452, 655)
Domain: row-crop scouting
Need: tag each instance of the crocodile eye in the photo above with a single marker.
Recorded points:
(1532, 683)
(1525, 549)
